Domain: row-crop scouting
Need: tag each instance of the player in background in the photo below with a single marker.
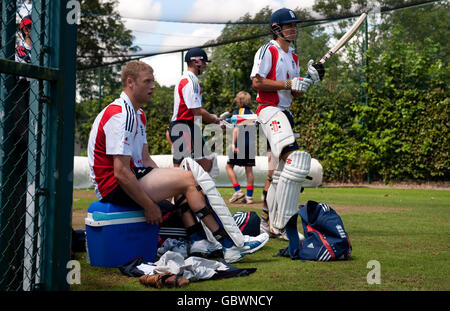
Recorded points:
(23, 50)
(276, 78)
(185, 127)
(239, 157)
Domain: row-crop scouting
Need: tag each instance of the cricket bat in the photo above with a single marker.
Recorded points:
(342, 41)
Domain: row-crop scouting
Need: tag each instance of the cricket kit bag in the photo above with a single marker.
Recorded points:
(248, 222)
(325, 236)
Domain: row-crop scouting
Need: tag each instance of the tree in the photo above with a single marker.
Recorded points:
(407, 116)
(231, 64)
(159, 112)
(100, 34)
(401, 133)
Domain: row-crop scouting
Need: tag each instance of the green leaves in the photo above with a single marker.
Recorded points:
(402, 132)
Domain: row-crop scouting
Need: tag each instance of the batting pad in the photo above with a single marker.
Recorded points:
(295, 170)
(271, 197)
(215, 200)
(276, 128)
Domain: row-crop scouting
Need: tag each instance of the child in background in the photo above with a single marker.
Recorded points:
(245, 158)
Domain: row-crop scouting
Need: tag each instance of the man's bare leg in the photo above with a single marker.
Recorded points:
(163, 183)
(231, 174)
(205, 163)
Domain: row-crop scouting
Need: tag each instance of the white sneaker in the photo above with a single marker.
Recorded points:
(237, 195)
(251, 245)
(203, 248)
(272, 232)
(276, 233)
(281, 234)
(247, 200)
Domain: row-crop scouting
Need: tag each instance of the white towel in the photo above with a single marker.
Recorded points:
(192, 268)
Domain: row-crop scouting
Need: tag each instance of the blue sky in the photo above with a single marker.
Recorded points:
(152, 36)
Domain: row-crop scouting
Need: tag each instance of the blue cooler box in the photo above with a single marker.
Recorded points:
(117, 234)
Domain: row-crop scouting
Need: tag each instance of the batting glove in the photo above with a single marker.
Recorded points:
(315, 71)
(301, 84)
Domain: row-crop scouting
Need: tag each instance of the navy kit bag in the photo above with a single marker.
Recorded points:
(325, 236)
(248, 222)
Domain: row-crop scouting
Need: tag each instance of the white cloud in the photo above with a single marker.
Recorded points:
(137, 16)
(293, 4)
(140, 9)
(166, 68)
(196, 38)
(219, 10)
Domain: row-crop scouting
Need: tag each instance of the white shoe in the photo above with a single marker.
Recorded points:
(203, 248)
(247, 200)
(251, 245)
(237, 195)
(281, 234)
(272, 232)
(276, 233)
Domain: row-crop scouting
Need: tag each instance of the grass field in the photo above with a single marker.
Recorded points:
(406, 230)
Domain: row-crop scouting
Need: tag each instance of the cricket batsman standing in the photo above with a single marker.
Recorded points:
(276, 78)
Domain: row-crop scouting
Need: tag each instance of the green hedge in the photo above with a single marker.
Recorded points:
(402, 132)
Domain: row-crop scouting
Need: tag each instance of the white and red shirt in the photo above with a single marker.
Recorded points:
(271, 62)
(117, 130)
(187, 95)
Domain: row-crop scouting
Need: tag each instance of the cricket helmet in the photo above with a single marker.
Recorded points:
(196, 54)
(283, 16)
